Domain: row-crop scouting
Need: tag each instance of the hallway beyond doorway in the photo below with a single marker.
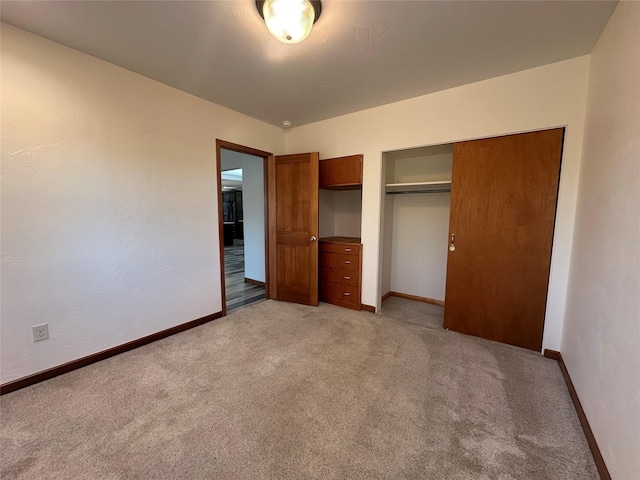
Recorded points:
(238, 293)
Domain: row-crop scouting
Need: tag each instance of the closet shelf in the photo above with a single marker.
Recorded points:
(407, 187)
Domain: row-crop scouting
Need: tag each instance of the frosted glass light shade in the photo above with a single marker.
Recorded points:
(290, 21)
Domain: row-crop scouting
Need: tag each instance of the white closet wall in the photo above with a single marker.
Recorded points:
(387, 244)
(419, 244)
(417, 224)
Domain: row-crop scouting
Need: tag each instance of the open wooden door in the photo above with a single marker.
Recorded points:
(293, 228)
(503, 205)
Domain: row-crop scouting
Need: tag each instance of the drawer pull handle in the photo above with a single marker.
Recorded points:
(347, 277)
(348, 262)
(346, 294)
(347, 249)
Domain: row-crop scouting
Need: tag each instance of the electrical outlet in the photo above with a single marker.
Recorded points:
(40, 332)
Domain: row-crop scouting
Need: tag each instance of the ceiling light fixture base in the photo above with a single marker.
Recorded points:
(290, 21)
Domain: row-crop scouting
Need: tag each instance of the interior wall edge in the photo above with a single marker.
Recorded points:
(584, 422)
(601, 328)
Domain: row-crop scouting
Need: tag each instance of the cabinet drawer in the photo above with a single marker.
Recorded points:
(347, 249)
(343, 277)
(344, 295)
(339, 260)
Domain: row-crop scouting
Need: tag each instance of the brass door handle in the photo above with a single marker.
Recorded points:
(452, 244)
(312, 238)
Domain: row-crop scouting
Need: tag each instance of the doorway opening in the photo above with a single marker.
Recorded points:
(242, 197)
(416, 213)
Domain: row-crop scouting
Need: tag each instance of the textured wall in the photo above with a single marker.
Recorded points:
(544, 97)
(109, 208)
(601, 341)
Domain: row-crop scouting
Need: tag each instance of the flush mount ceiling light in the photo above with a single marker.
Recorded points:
(290, 21)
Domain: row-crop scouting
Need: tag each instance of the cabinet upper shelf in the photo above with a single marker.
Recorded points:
(441, 185)
(343, 173)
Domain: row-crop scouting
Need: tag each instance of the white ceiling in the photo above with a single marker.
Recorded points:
(360, 54)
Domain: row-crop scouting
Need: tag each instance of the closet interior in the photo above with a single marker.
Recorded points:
(416, 222)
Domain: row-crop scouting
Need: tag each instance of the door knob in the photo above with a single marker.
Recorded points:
(452, 245)
(312, 238)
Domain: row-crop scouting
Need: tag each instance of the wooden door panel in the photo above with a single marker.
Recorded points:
(293, 221)
(503, 203)
(293, 281)
(292, 206)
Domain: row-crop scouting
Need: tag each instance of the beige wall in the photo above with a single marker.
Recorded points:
(109, 208)
(601, 340)
(549, 96)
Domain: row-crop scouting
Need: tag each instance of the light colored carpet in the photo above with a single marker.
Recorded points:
(284, 391)
(416, 313)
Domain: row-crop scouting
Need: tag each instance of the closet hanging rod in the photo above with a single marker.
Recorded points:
(405, 192)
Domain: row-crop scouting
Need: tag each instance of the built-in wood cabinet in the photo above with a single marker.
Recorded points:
(341, 173)
(340, 271)
(340, 248)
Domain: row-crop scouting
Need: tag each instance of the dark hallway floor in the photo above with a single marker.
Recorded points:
(237, 291)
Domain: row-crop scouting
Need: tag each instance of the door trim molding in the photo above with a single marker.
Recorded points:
(234, 147)
(591, 439)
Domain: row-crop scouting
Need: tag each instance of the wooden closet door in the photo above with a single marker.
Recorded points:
(503, 204)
